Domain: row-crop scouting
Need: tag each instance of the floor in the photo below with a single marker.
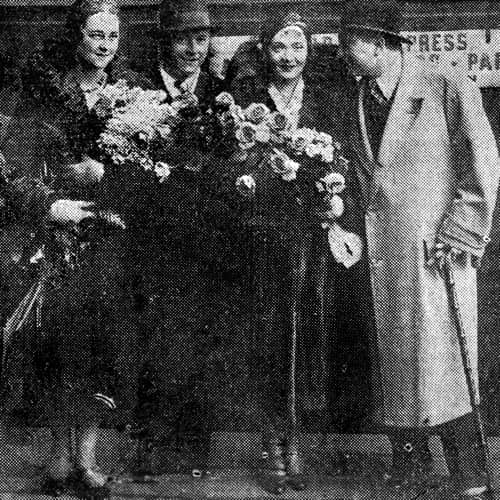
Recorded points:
(340, 467)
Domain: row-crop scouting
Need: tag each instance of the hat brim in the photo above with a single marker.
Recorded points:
(162, 32)
(379, 30)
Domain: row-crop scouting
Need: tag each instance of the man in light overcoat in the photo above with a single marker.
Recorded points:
(426, 175)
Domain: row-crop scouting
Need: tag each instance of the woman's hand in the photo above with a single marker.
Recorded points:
(70, 211)
(85, 173)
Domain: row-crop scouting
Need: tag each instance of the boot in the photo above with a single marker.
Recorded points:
(143, 463)
(273, 472)
(480, 493)
(88, 481)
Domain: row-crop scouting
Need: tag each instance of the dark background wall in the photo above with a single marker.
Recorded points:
(25, 23)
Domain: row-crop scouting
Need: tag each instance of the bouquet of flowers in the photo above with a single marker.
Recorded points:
(291, 177)
(137, 121)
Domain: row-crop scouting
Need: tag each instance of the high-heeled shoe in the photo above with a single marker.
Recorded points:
(53, 487)
(90, 484)
(273, 470)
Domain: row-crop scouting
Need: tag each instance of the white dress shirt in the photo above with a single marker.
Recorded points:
(188, 85)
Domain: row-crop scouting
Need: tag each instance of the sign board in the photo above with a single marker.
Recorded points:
(476, 52)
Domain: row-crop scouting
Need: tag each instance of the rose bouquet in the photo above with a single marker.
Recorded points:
(291, 178)
(199, 134)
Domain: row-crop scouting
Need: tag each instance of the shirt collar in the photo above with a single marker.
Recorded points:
(388, 82)
(188, 85)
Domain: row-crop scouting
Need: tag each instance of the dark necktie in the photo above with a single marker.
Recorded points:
(375, 91)
(377, 109)
(178, 85)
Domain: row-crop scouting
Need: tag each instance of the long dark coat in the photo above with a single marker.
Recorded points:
(81, 348)
(435, 179)
(275, 259)
(185, 289)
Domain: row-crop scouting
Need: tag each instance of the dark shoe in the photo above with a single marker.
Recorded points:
(90, 484)
(53, 487)
(142, 467)
(143, 477)
(297, 483)
(275, 485)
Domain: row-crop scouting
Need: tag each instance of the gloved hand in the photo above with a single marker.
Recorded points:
(70, 211)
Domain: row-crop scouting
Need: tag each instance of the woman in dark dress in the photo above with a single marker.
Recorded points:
(79, 364)
(276, 72)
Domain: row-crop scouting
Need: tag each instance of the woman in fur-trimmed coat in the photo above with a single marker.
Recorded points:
(278, 72)
(78, 362)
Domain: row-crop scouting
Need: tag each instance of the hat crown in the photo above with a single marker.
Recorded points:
(184, 15)
(379, 15)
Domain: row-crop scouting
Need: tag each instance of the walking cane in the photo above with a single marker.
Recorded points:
(472, 385)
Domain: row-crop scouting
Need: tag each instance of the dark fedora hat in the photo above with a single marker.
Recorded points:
(380, 16)
(183, 15)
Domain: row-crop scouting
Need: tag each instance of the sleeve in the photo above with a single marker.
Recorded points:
(467, 224)
(26, 198)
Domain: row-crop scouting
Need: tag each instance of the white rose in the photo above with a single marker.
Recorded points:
(237, 113)
(225, 99)
(164, 131)
(324, 139)
(283, 166)
(333, 183)
(162, 171)
(246, 135)
(246, 185)
(257, 112)
(327, 153)
(313, 150)
(301, 138)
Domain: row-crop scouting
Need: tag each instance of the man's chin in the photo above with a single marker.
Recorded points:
(189, 68)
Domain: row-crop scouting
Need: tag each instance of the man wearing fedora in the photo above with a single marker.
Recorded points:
(184, 31)
(425, 173)
(174, 284)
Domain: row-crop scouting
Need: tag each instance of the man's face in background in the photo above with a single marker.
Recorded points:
(361, 52)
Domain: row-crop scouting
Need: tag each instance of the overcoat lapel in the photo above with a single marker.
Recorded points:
(404, 110)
